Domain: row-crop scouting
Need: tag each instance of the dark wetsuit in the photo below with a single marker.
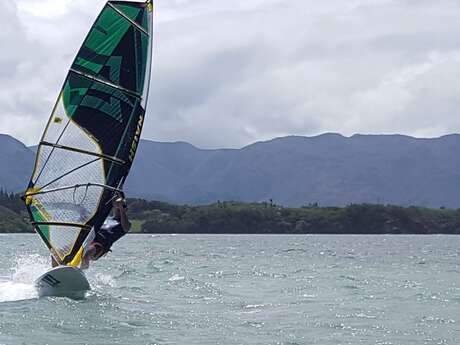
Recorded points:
(110, 232)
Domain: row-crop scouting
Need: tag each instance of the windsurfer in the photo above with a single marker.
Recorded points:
(115, 226)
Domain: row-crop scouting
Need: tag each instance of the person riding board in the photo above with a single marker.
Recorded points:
(114, 227)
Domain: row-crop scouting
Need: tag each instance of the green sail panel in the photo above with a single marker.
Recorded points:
(114, 49)
(91, 137)
(134, 11)
(102, 40)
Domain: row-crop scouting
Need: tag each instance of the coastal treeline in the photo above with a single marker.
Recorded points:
(266, 217)
(13, 215)
(262, 218)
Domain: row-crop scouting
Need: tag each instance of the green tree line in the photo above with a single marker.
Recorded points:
(13, 215)
(265, 217)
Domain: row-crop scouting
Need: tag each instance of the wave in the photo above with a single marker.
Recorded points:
(20, 284)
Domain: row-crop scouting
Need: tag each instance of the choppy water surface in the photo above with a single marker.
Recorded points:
(250, 289)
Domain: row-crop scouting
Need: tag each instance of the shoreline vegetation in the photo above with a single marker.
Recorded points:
(230, 217)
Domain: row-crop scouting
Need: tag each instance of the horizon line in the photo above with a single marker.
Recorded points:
(335, 134)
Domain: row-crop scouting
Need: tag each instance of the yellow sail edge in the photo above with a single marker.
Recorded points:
(77, 258)
(149, 5)
(29, 194)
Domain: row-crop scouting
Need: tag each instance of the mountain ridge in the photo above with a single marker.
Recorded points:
(329, 169)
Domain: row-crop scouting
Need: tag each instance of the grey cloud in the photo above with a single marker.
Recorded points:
(227, 74)
(12, 39)
(418, 42)
(314, 68)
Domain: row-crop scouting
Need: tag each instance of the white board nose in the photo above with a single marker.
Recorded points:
(63, 281)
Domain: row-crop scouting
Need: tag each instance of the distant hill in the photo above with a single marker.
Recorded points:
(328, 169)
(16, 162)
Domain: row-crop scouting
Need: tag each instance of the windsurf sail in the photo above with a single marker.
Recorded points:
(91, 138)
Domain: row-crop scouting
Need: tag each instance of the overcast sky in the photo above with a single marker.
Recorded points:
(228, 73)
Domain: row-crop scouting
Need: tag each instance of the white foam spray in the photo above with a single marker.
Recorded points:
(19, 285)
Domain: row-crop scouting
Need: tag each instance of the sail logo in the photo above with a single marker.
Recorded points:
(137, 135)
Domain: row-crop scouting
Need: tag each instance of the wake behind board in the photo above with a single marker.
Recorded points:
(63, 281)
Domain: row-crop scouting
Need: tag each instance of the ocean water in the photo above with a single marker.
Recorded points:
(248, 289)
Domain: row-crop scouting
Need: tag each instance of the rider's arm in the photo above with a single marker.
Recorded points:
(125, 224)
